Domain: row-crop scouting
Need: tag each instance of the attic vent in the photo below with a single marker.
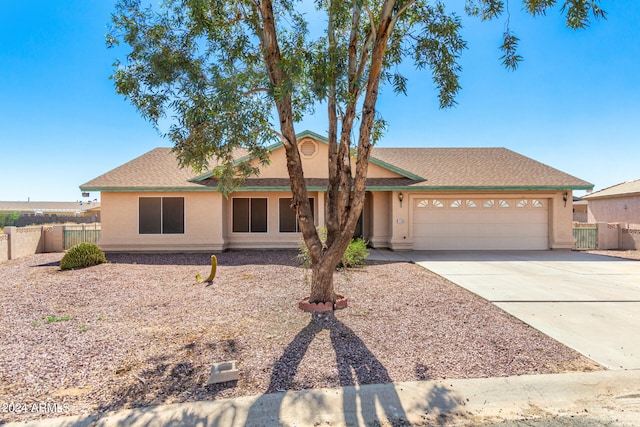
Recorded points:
(308, 148)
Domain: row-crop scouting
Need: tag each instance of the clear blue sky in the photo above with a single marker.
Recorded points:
(574, 103)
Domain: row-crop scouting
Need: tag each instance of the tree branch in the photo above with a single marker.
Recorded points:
(256, 90)
(402, 10)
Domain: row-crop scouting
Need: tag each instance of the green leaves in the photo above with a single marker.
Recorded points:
(578, 14)
(485, 9)
(510, 59)
(439, 46)
(199, 65)
(198, 68)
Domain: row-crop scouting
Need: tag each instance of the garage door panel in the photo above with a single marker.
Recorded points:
(477, 224)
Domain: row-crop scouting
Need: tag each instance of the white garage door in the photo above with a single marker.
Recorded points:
(477, 224)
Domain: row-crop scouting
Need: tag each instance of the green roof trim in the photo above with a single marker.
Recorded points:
(395, 169)
(320, 138)
(480, 188)
(322, 188)
(310, 134)
(148, 189)
(272, 147)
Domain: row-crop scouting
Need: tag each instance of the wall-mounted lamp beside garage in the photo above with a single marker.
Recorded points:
(400, 197)
(565, 197)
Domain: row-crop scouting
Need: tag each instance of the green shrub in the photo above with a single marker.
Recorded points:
(354, 256)
(82, 255)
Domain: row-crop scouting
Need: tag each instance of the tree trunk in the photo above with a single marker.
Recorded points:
(322, 279)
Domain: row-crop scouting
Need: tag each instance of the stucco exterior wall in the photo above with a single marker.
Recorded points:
(580, 212)
(54, 238)
(24, 241)
(273, 238)
(619, 209)
(4, 247)
(401, 215)
(208, 221)
(28, 241)
(630, 237)
(203, 223)
(314, 166)
(609, 235)
(561, 221)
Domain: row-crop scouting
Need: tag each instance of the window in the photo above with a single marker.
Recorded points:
(249, 215)
(456, 204)
(161, 215)
(423, 203)
(437, 204)
(471, 204)
(288, 217)
(522, 204)
(537, 204)
(489, 204)
(504, 204)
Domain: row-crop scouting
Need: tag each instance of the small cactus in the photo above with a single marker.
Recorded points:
(214, 266)
(82, 255)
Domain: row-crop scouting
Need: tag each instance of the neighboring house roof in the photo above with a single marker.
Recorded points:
(624, 189)
(48, 207)
(578, 201)
(422, 168)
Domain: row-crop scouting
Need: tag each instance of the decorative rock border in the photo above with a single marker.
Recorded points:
(305, 305)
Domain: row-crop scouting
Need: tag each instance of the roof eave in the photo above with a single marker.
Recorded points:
(415, 187)
(395, 169)
(479, 188)
(116, 189)
(610, 196)
(272, 147)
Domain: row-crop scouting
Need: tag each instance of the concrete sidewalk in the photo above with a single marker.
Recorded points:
(607, 396)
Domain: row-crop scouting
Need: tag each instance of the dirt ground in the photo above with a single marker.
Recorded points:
(140, 331)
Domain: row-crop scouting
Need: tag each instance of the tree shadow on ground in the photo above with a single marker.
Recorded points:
(159, 379)
(141, 398)
(357, 368)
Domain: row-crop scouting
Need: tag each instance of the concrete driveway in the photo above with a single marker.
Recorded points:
(590, 303)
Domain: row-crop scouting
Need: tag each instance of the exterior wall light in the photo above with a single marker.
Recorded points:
(565, 197)
(400, 197)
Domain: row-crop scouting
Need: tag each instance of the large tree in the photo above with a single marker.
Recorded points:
(240, 74)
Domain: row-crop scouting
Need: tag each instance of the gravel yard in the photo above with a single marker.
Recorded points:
(139, 331)
(625, 254)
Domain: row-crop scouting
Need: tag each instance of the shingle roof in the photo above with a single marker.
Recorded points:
(156, 170)
(476, 167)
(437, 168)
(618, 190)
